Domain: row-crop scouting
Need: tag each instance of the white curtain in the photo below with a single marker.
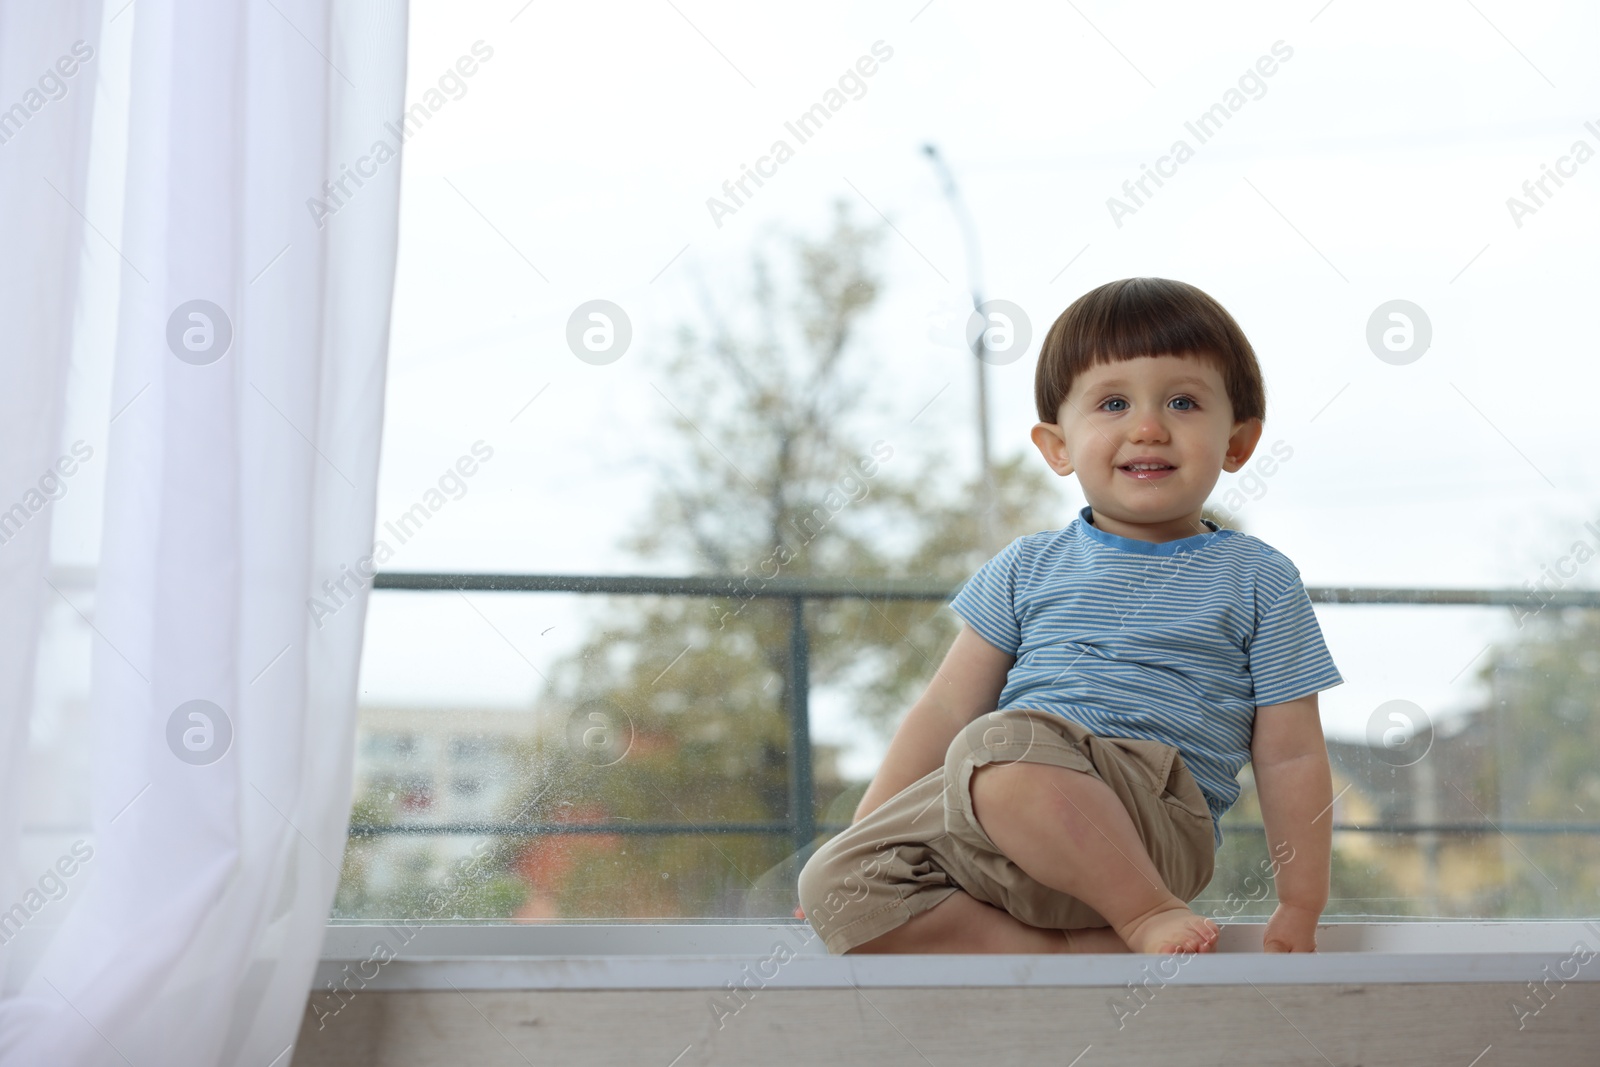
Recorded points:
(240, 451)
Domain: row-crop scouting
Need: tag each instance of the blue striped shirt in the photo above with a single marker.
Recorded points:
(1177, 642)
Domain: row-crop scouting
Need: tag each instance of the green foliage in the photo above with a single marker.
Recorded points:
(1544, 697)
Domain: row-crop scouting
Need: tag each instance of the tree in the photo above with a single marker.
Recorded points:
(685, 699)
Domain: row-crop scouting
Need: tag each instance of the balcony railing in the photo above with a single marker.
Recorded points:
(802, 826)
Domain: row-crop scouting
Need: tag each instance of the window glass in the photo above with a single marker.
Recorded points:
(635, 338)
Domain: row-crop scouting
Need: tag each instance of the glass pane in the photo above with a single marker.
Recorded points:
(615, 352)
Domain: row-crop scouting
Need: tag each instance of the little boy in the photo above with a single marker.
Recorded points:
(1059, 785)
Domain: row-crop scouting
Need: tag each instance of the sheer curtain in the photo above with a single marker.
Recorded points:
(239, 450)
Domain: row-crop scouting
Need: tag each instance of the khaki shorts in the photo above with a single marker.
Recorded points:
(924, 843)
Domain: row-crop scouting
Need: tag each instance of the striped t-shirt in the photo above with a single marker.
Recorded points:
(1177, 642)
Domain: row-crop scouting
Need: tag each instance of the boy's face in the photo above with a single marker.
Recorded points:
(1169, 410)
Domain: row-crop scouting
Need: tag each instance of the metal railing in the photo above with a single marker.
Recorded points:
(802, 826)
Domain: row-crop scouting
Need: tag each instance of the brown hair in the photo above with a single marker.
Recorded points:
(1135, 317)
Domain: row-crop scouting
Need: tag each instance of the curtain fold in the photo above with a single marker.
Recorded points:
(241, 470)
(45, 118)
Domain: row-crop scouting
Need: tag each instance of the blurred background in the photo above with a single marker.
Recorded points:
(779, 387)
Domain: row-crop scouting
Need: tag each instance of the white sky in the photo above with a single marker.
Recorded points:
(1375, 167)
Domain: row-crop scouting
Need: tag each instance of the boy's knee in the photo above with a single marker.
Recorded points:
(829, 886)
(970, 741)
(820, 888)
(1004, 736)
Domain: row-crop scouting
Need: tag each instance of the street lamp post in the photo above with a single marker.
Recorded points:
(969, 237)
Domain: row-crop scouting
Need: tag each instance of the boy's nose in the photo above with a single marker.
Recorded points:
(1149, 427)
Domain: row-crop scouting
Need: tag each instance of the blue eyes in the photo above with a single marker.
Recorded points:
(1184, 399)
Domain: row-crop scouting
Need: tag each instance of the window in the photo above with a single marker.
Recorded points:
(627, 388)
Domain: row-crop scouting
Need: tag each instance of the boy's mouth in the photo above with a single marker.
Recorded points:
(1147, 470)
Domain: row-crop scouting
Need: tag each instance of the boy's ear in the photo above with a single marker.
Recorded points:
(1246, 435)
(1053, 446)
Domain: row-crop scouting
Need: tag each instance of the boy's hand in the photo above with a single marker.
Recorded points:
(1291, 929)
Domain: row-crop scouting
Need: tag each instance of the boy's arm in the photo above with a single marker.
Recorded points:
(966, 685)
(1295, 787)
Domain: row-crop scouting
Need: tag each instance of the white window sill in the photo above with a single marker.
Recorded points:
(620, 956)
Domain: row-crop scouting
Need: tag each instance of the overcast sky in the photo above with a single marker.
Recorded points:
(1373, 164)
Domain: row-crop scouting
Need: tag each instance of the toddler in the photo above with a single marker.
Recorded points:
(1059, 785)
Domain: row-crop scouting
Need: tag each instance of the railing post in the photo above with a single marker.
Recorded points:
(802, 801)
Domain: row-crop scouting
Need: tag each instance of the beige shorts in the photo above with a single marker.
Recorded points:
(923, 844)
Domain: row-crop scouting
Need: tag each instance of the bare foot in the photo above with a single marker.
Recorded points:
(1100, 939)
(1171, 928)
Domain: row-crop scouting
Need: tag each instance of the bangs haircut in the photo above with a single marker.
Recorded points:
(1136, 317)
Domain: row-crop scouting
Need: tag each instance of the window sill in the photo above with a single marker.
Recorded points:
(619, 956)
(706, 995)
